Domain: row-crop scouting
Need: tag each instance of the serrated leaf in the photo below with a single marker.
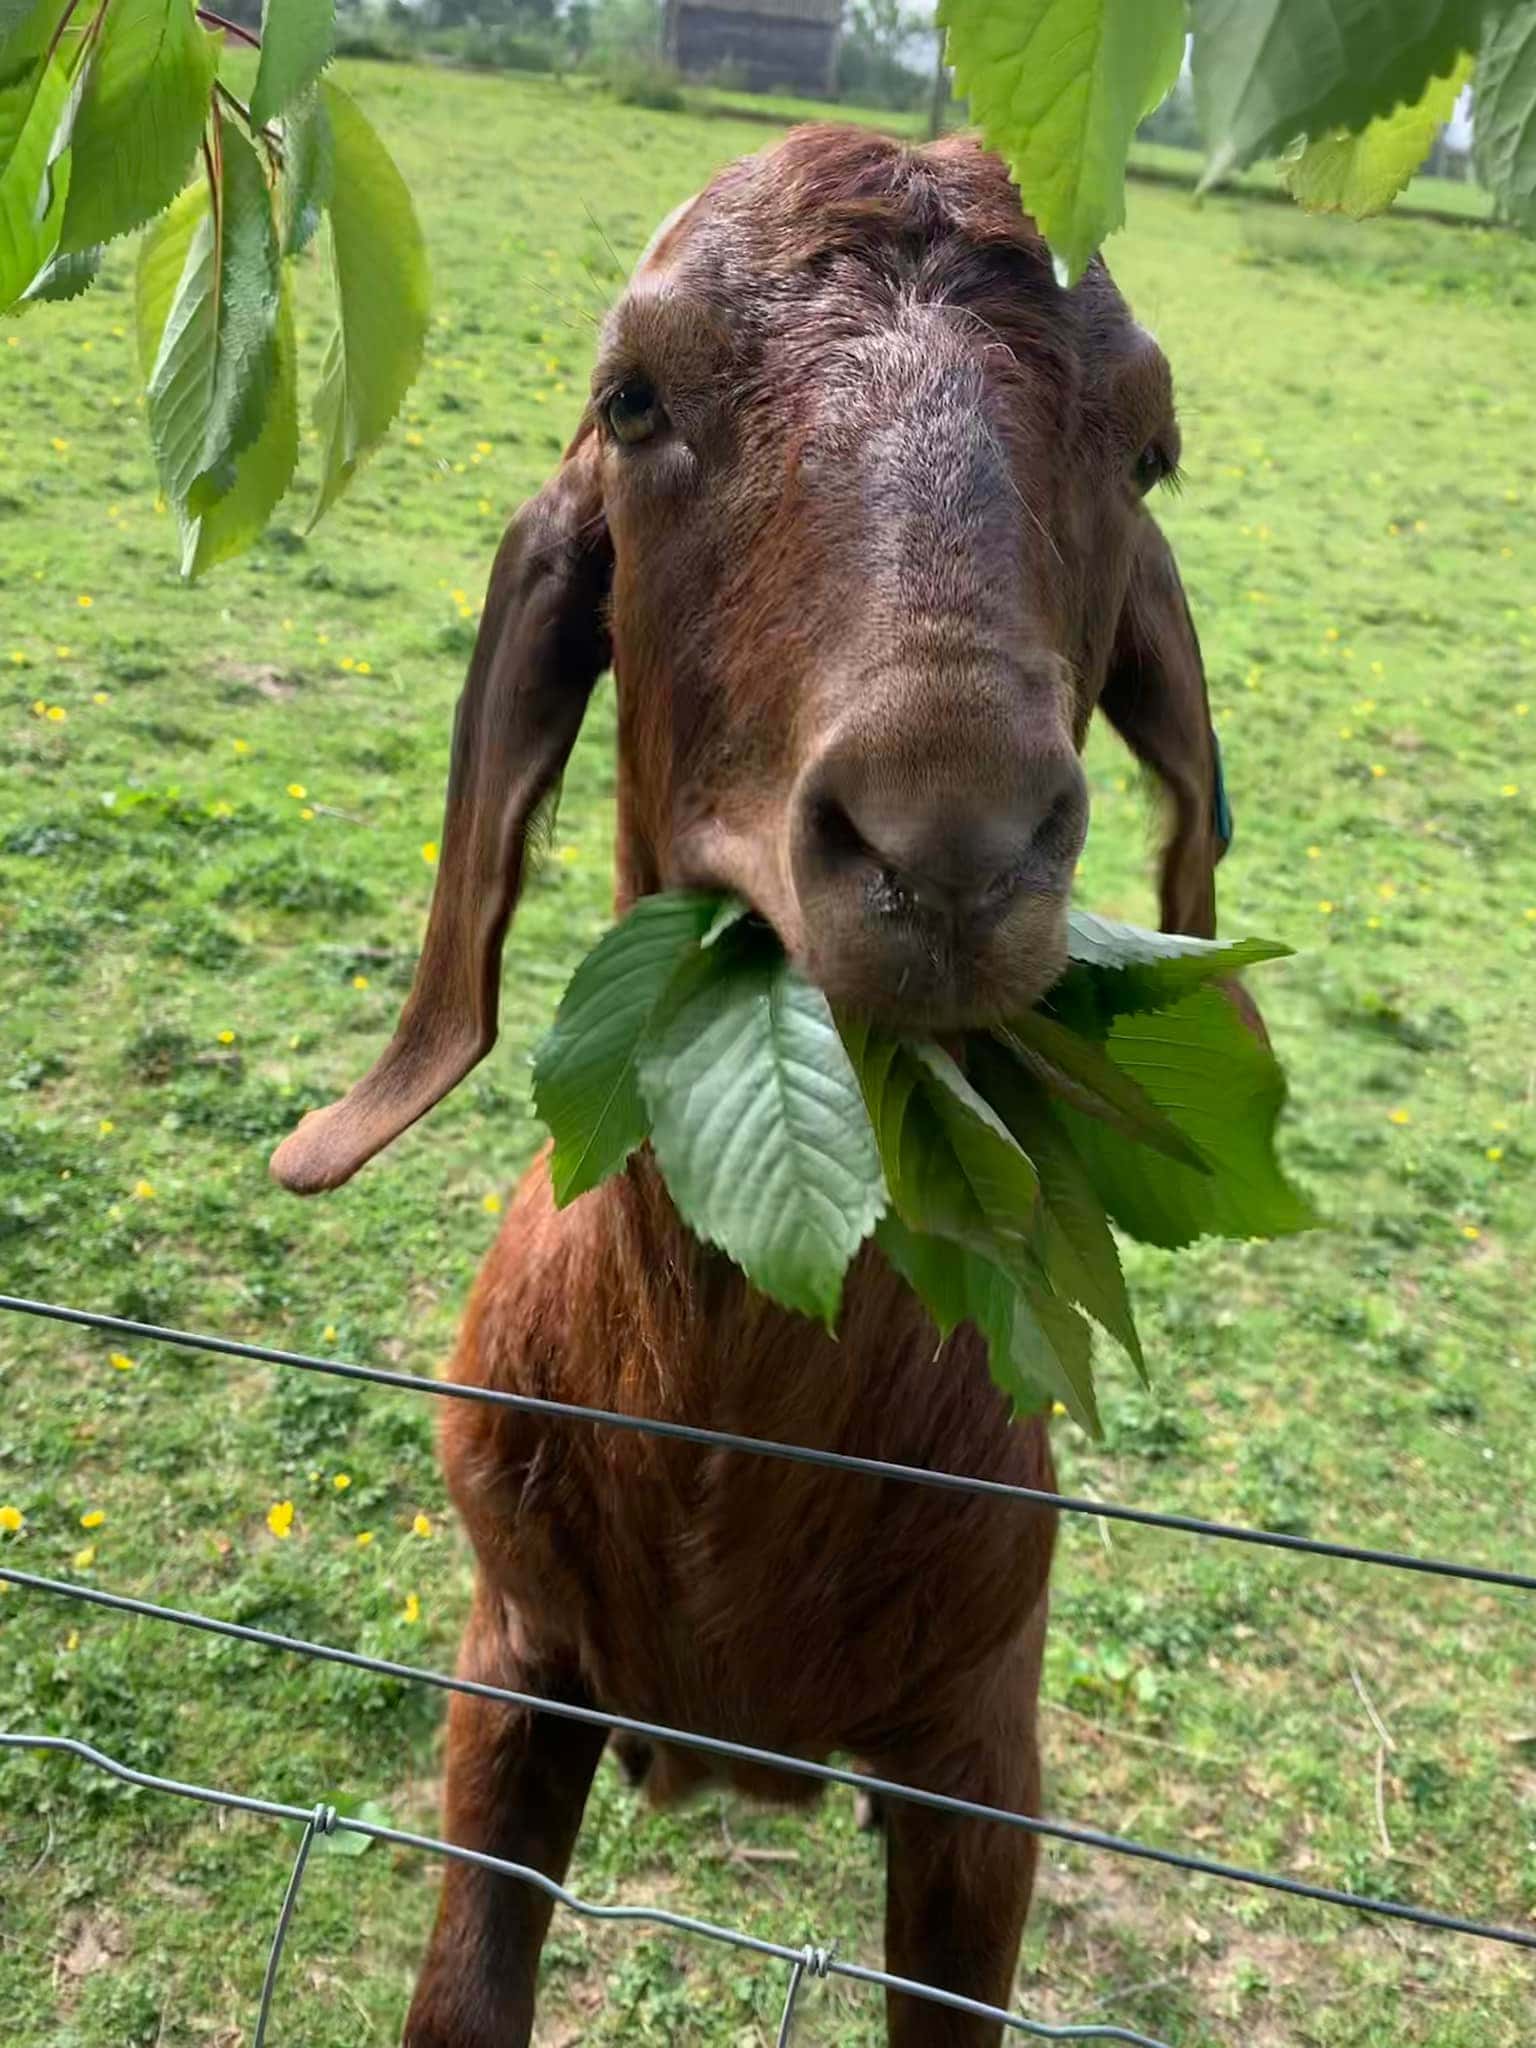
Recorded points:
(1223, 1090)
(380, 266)
(952, 1167)
(586, 1082)
(958, 1286)
(213, 369)
(759, 1126)
(296, 41)
(262, 472)
(1504, 136)
(1058, 87)
(1077, 1248)
(145, 104)
(33, 196)
(1076, 1071)
(162, 260)
(1052, 1349)
(1120, 968)
(308, 171)
(25, 37)
(1267, 71)
(66, 277)
(1362, 174)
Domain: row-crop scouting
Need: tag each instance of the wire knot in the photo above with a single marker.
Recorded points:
(323, 1820)
(817, 1962)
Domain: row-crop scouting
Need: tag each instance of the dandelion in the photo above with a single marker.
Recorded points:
(1506, 789)
(420, 1524)
(1470, 1232)
(491, 1204)
(341, 1481)
(1346, 732)
(84, 602)
(365, 668)
(12, 1520)
(92, 1518)
(363, 1538)
(297, 791)
(143, 1191)
(280, 1519)
(1330, 632)
(1386, 891)
(1058, 1408)
(306, 814)
(85, 1557)
(241, 746)
(1495, 1153)
(328, 1334)
(482, 448)
(1373, 924)
(359, 981)
(347, 661)
(1326, 907)
(226, 1037)
(120, 1361)
(429, 851)
(410, 1613)
(1314, 853)
(1398, 1116)
(57, 713)
(413, 440)
(1522, 711)
(483, 506)
(1377, 770)
(106, 1127)
(100, 697)
(458, 597)
(59, 444)
(18, 657)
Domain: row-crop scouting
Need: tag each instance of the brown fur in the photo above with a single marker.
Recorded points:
(866, 585)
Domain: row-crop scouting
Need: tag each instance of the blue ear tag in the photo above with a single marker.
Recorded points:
(1221, 810)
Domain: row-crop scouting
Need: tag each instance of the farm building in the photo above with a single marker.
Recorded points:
(769, 45)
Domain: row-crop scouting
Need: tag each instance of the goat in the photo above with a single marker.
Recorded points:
(855, 512)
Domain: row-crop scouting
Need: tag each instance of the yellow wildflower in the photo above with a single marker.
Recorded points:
(491, 1204)
(226, 1038)
(341, 1481)
(306, 814)
(12, 1519)
(241, 746)
(347, 661)
(1495, 1153)
(1314, 853)
(482, 447)
(429, 851)
(1326, 907)
(120, 1361)
(411, 1611)
(1377, 770)
(420, 1525)
(59, 444)
(85, 1557)
(365, 668)
(280, 1519)
(297, 791)
(84, 602)
(1507, 789)
(106, 1127)
(328, 1334)
(143, 1191)
(1471, 1232)
(92, 1518)
(363, 1538)
(57, 713)
(1398, 1116)
(359, 981)
(100, 697)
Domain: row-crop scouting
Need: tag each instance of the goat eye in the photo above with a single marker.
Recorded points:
(634, 412)
(1152, 465)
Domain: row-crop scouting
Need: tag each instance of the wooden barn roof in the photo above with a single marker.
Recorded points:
(828, 11)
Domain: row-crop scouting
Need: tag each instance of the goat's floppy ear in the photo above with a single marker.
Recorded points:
(542, 644)
(1154, 696)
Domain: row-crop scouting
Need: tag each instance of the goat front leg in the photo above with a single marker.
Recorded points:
(958, 1891)
(516, 1785)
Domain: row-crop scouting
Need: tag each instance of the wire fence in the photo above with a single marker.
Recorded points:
(811, 1961)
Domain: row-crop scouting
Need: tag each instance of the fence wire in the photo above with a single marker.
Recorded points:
(318, 1820)
(810, 1961)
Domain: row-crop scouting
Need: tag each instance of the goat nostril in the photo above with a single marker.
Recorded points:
(837, 838)
(1058, 836)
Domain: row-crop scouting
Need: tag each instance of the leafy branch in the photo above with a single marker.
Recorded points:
(788, 1136)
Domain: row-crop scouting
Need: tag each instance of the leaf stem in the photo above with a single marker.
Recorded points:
(58, 35)
(209, 19)
(267, 135)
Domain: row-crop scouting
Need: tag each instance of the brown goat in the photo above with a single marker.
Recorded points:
(856, 512)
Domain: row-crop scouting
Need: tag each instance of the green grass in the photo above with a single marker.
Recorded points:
(1357, 534)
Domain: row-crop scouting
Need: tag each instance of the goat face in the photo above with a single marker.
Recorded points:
(856, 510)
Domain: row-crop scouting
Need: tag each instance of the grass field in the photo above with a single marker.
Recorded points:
(213, 819)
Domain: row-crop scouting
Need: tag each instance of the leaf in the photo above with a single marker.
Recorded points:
(1058, 87)
(1052, 1349)
(31, 210)
(263, 471)
(952, 1167)
(1078, 1250)
(215, 359)
(1083, 1074)
(1505, 115)
(345, 1842)
(959, 1286)
(1223, 1090)
(296, 40)
(759, 1126)
(67, 277)
(25, 36)
(585, 1077)
(1120, 968)
(308, 171)
(162, 259)
(380, 267)
(146, 101)
(1362, 174)
(1266, 71)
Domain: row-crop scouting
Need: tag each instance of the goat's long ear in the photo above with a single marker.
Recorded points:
(543, 642)
(1154, 696)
